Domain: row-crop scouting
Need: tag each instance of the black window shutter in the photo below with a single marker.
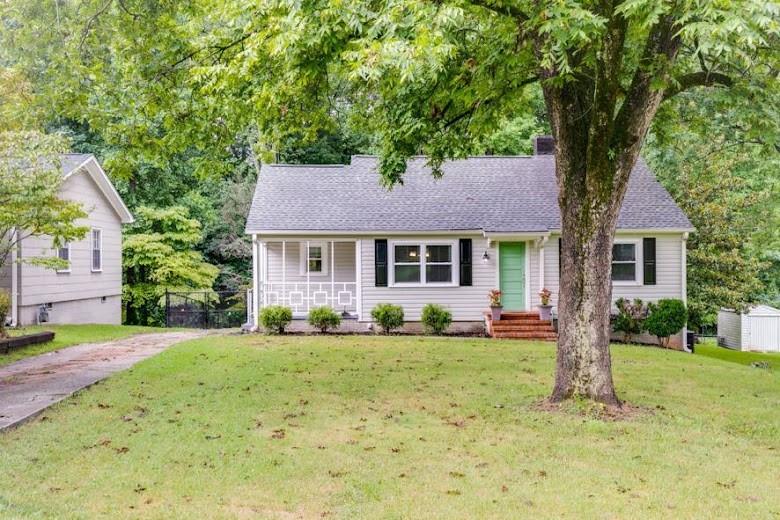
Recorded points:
(648, 253)
(380, 262)
(559, 258)
(465, 261)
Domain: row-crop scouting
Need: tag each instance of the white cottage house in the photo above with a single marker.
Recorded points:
(332, 235)
(90, 289)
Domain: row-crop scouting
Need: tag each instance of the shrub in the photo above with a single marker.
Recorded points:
(388, 316)
(324, 318)
(436, 319)
(5, 306)
(275, 318)
(665, 318)
(630, 319)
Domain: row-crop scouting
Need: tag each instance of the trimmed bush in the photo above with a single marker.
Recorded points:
(324, 318)
(436, 319)
(630, 319)
(388, 316)
(275, 318)
(5, 306)
(665, 318)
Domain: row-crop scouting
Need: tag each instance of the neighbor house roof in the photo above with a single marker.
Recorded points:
(76, 162)
(492, 194)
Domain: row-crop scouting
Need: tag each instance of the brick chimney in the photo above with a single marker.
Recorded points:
(544, 145)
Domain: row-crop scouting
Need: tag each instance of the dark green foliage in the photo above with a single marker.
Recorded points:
(436, 319)
(324, 318)
(275, 318)
(630, 318)
(388, 316)
(665, 318)
(5, 306)
(158, 254)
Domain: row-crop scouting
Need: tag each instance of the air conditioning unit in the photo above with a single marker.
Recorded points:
(43, 313)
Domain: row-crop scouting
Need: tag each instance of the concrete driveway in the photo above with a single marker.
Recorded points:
(31, 385)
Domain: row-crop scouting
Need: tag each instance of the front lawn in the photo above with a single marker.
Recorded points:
(69, 335)
(711, 349)
(399, 427)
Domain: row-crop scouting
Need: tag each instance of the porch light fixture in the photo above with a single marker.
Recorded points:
(485, 256)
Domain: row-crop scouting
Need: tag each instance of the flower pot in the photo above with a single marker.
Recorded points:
(545, 312)
(496, 312)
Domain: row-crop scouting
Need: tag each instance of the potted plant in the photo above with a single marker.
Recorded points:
(495, 304)
(545, 309)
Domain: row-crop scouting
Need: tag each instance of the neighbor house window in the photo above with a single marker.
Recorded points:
(422, 263)
(314, 258)
(63, 253)
(625, 261)
(97, 250)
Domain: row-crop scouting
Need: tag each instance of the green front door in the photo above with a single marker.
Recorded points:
(511, 274)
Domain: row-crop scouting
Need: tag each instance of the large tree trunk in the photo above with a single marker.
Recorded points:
(585, 298)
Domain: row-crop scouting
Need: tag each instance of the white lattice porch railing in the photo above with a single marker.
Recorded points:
(304, 296)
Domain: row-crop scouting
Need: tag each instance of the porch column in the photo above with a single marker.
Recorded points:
(256, 266)
(542, 243)
(284, 273)
(333, 274)
(308, 277)
(358, 279)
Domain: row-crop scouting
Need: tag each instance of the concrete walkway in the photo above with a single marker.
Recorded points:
(31, 385)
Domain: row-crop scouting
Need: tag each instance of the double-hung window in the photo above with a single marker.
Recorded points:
(63, 253)
(314, 259)
(97, 250)
(626, 264)
(423, 263)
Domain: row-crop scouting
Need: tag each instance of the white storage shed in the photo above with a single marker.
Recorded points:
(757, 329)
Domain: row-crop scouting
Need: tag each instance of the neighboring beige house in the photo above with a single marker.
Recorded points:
(331, 235)
(90, 290)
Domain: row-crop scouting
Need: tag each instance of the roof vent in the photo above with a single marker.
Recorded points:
(544, 145)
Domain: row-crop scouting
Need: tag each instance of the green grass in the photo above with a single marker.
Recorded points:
(711, 349)
(69, 335)
(399, 427)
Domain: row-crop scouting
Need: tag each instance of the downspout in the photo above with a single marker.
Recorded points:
(14, 281)
(684, 285)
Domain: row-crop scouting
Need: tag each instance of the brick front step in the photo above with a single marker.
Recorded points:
(522, 325)
(513, 327)
(519, 315)
(537, 322)
(544, 336)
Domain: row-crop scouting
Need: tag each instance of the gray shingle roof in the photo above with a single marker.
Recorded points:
(70, 161)
(492, 194)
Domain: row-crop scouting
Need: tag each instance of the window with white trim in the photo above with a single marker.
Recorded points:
(421, 263)
(314, 258)
(626, 261)
(97, 250)
(63, 253)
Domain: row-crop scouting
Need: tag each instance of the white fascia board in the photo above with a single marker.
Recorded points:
(98, 175)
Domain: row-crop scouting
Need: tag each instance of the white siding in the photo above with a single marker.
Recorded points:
(669, 274)
(39, 285)
(344, 263)
(730, 329)
(465, 303)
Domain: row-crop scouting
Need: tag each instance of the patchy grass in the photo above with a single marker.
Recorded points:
(711, 349)
(397, 427)
(69, 335)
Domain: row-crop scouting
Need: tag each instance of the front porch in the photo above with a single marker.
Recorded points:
(306, 273)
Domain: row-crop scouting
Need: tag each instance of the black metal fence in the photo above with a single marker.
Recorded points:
(205, 309)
